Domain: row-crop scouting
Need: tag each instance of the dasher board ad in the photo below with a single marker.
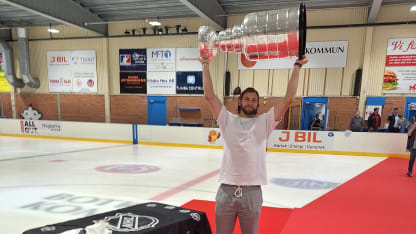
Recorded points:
(327, 54)
(301, 140)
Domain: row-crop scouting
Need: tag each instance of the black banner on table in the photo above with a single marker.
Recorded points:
(133, 82)
(133, 60)
(156, 218)
(189, 83)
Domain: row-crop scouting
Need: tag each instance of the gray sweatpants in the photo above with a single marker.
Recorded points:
(229, 206)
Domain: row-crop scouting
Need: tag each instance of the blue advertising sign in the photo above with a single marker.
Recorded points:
(189, 83)
(133, 59)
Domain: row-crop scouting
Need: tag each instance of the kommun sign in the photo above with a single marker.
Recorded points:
(327, 54)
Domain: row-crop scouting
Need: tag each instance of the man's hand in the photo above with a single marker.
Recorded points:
(302, 61)
(203, 59)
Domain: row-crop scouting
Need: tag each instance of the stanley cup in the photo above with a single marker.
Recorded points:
(263, 35)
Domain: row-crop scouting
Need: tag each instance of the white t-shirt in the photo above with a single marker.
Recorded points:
(245, 142)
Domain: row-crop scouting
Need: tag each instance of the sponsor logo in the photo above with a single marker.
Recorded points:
(90, 83)
(213, 136)
(87, 60)
(48, 229)
(163, 54)
(188, 59)
(305, 137)
(58, 60)
(195, 216)
(139, 58)
(412, 88)
(78, 83)
(129, 222)
(128, 168)
(400, 45)
(190, 79)
(125, 60)
(326, 50)
(307, 184)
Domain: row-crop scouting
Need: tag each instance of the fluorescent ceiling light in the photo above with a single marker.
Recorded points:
(53, 30)
(413, 8)
(155, 23)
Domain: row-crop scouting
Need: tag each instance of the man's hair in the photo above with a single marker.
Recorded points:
(376, 109)
(395, 108)
(247, 90)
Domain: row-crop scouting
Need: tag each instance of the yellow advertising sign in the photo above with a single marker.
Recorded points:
(4, 84)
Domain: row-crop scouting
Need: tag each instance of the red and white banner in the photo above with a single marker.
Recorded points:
(84, 71)
(187, 59)
(72, 71)
(59, 71)
(400, 70)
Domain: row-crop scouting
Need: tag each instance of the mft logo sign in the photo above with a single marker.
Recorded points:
(161, 59)
(162, 54)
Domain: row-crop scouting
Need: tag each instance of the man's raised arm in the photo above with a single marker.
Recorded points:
(292, 86)
(213, 102)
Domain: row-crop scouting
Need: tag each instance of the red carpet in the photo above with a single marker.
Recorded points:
(272, 220)
(381, 200)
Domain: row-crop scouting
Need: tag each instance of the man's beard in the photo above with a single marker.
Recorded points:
(246, 112)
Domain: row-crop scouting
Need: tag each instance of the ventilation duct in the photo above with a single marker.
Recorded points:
(8, 66)
(24, 59)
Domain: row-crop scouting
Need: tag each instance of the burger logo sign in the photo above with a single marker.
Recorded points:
(400, 69)
(390, 80)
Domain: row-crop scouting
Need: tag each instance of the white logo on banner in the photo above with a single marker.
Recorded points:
(161, 59)
(330, 54)
(129, 222)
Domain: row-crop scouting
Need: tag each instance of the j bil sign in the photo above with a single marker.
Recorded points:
(301, 140)
(299, 137)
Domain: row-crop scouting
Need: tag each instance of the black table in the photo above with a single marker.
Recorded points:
(154, 218)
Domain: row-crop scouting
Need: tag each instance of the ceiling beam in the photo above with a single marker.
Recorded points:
(64, 11)
(373, 11)
(208, 10)
(5, 32)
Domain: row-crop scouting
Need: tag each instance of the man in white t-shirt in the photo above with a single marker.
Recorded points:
(243, 167)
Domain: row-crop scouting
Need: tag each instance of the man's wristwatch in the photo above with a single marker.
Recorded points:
(300, 65)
